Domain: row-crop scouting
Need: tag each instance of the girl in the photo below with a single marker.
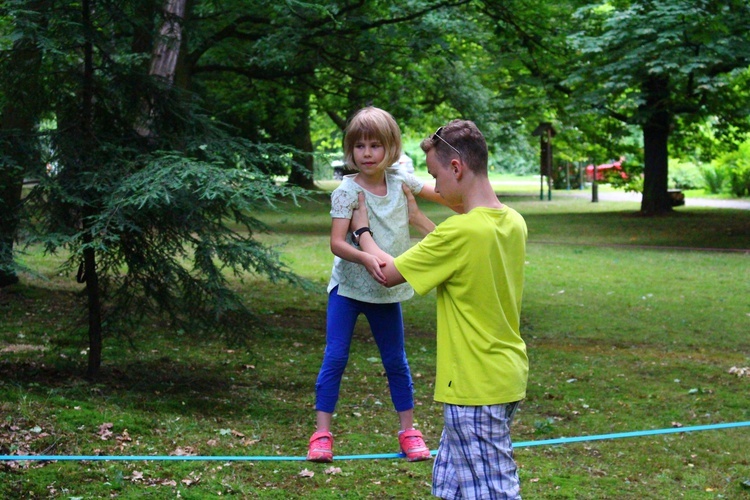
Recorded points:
(372, 143)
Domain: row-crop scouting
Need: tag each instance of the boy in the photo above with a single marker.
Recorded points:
(476, 262)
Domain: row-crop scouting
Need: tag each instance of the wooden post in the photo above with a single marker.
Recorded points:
(594, 188)
(545, 133)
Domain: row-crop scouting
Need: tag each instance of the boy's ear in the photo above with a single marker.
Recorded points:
(457, 168)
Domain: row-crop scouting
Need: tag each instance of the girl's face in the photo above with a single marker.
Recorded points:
(368, 154)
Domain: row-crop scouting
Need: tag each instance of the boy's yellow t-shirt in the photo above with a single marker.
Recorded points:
(476, 262)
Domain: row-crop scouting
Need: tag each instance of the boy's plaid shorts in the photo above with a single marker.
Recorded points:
(475, 457)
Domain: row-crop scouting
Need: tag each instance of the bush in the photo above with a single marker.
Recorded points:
(685, 176)
(739, 181)
(736, 167)
(714, 178)
(559, 172)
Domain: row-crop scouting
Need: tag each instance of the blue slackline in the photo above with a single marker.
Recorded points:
(239, 458)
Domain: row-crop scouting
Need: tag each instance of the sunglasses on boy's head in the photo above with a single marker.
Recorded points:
(437, 134)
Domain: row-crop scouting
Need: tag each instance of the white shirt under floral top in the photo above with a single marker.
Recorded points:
(389, 222)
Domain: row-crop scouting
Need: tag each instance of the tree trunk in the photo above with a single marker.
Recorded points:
(11, 184)
(656, 127)
(167, 49)
(93, 295)
(18, 141)
(304, 165)
(164, 56)
(93, 290)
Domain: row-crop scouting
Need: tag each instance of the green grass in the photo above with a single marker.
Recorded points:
(629, 328)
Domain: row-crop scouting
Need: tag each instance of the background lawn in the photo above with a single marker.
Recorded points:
(631, 324)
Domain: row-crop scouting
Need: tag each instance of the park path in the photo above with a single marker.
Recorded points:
(636, 197)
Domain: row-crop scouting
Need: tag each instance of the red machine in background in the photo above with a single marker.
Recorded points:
(606, 171)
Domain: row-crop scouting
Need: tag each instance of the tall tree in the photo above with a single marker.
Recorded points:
(20, 113)
(648, 62)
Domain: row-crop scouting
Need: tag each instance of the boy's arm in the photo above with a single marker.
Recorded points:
(387, 274)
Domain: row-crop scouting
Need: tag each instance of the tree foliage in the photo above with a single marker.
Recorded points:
(268, 73)
(648, 62)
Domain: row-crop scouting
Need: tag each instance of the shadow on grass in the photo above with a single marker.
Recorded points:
(695, 229)
(43, 352)
(161, 385)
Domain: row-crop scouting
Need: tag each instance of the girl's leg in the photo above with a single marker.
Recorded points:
(406, 419)
(387, 325)
(341, 317)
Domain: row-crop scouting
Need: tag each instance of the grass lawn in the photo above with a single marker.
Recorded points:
(631, 323)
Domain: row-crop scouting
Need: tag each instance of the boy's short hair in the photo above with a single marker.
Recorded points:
(372, 123)
(459, 138)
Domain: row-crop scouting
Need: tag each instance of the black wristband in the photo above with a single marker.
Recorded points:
(359, 232)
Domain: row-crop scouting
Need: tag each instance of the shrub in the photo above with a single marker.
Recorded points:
(739, 181)
(714, 178)
(561, 170)
(685, 176)
(736, 166)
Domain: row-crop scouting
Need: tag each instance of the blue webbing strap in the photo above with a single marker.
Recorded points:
(266, 458)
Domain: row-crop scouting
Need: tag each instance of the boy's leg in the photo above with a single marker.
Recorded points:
(444, 480)
(476, 449)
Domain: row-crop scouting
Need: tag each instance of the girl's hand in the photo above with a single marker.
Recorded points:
(373, 265)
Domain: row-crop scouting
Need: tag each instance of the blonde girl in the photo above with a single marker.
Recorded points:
(372, 144)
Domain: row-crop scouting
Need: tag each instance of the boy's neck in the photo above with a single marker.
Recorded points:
(480, 194)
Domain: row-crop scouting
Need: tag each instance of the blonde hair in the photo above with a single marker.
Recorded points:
(373, 123)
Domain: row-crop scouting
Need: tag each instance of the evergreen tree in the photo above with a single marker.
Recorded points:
(151, 198)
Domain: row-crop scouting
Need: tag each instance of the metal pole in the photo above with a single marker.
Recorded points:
(541, 167)
(541, 186)
(594, 188)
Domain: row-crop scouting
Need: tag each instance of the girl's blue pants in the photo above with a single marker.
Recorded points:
(387, 325)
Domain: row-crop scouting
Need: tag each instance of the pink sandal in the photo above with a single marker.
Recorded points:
(412, 445)
(321, 447)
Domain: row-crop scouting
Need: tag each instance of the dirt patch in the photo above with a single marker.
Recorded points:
(22, 348)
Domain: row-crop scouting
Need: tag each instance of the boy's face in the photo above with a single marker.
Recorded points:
(445, 181)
